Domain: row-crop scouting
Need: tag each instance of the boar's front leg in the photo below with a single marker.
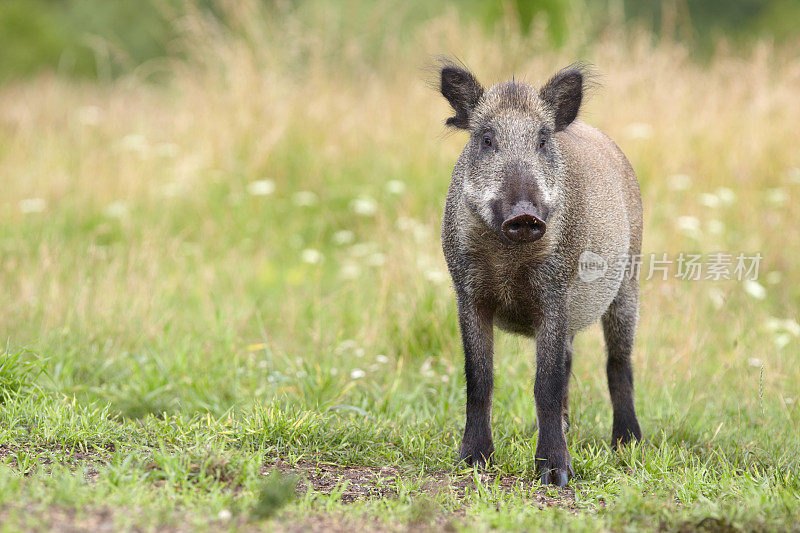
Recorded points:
(477, 335)
(552, 458)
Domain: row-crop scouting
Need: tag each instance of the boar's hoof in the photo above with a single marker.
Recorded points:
(559, 478)
(624, 434)
(475, 455)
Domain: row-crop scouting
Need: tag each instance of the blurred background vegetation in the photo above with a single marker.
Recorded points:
(102, 39)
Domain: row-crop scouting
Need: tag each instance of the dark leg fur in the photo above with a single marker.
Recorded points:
(565, 400)
(552, 457)
(619, 327)
(477, 335)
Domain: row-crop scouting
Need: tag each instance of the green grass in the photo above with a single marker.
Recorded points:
(218, 290)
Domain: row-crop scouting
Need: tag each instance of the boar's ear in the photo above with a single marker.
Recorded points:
(564, 92)
(463, 91)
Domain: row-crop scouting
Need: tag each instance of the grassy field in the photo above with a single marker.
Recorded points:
(223, 302)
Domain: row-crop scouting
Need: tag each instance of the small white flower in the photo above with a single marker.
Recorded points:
(377, 259)
(311, 256)
(436, 276)
(261, 187)
(791, 326)
(781, 340)
(689, 223)
(689, 226)
(726, 195)
(716, 226)
(345, 346)
(788, 325)
(381, 358)
(776, 196)
(359, 352)
(419, 230)
(395, 186)
(361, 249)
(754, 361)
(32, 205)
(357, 373)
(789, 400)
(679, 182)
(135, 142)
(304, 198)
(364, 205)
(639, 130)
(755, 289)
(426, 369)
(344, 236)
(717, 298)
(708, 199)
(224, 515)
(350, 271)
(116, 209)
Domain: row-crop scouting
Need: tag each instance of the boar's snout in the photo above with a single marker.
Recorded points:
(524, 224)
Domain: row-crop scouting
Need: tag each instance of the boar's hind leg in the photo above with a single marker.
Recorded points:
(619, 326)
(477, 335)
(549, 390)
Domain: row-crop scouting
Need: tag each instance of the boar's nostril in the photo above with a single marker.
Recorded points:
(523, 228)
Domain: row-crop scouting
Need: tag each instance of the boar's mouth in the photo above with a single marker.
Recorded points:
(523, 228)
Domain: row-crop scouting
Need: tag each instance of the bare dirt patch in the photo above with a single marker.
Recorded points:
(360, 483)
(351, 483)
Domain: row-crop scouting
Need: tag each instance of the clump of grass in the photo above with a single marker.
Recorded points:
(203, 467)
(422, 512)
(276, 491)
(18, 374)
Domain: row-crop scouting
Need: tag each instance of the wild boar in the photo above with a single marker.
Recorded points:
(533, 192)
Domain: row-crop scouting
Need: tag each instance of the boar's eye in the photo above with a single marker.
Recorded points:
(542, 139)
(487, 141)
